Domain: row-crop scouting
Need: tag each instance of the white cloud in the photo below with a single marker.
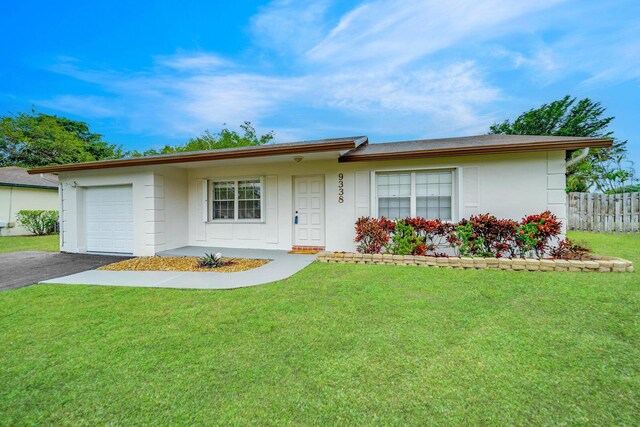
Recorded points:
(179, 105)
(593, 43)
(193, 61)
(447, 96)
(89, 106)
(389, 66)
(288, 26)
(206, 101)
(400, 31)
(166, 103)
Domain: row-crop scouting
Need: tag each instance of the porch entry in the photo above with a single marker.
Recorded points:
(308, 215)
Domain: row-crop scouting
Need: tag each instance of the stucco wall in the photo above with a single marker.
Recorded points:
(176, 208)
(15, 199)
(508, 186)
(158, 224)
(168, 201)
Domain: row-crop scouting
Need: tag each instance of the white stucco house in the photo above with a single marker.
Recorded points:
(21, 191)
(304, 194)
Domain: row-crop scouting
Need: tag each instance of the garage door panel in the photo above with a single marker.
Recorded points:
(109, 219)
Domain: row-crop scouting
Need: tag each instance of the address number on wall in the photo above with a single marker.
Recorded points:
(340, 188)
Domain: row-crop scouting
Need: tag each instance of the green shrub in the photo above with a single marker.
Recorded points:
(211, 261)
(404, 240)
(39, 222)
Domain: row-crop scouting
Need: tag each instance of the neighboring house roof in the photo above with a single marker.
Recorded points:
(333, 144)
(14, 176)
(469, 145)
(358, 149)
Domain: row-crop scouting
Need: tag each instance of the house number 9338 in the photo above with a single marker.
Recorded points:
(340, 188)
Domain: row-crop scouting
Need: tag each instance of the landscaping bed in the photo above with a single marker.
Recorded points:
(160, 263)
(481, 242)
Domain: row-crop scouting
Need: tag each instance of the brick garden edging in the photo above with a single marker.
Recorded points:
(603, 265)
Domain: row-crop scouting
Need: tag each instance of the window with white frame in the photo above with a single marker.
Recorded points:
(249, 199)
(426, 194)
(236, 200)
(394, 195)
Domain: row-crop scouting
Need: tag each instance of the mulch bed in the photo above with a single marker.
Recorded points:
(161, 263)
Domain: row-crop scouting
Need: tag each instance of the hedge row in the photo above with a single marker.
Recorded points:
(535, 236)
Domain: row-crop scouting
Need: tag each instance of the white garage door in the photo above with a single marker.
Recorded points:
(109, 219)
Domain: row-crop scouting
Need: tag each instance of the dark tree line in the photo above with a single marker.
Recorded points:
(37, 139)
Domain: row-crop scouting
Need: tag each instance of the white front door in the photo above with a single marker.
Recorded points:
(109, 219)
(308, 224)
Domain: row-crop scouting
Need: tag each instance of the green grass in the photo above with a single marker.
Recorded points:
(30, 243)
(334, 344)
(623, 245)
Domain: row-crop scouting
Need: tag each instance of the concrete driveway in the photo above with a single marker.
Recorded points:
(19, 269)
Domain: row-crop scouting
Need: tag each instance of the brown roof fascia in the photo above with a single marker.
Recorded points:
(468, 151)
(263, 151)
(39, 187)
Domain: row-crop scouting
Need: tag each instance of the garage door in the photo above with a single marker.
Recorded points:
(109, 219)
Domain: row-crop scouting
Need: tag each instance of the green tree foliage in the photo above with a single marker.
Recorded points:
(213, 141)
(37, 139)
(39, 222)
(604, 169)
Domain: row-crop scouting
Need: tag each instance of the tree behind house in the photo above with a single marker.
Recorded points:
(214, 141)
(604, 169)
(37, 139)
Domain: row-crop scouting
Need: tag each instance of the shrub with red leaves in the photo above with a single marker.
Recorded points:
(566, 249)
(433, 233)
(535, 233)
(481, 235)
(373, 234)
(484, 235)
(421, 250)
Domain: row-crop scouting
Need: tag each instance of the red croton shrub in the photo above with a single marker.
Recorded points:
(373, 234)
(535, 233)
(484, 235)
(433, 234)
(480, 235)
(566, 249)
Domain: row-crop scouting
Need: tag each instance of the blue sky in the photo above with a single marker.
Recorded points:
(148, 73)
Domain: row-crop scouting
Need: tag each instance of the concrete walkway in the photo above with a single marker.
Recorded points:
(283, 265)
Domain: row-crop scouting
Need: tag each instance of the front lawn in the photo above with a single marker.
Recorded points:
(335, 344)
(30, 243)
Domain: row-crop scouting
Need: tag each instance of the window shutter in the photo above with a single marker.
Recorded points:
(470, 191)
(205, 200)
(270, 202)
(363, 191)
(201, 209)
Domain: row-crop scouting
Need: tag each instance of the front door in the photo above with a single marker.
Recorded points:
(308, 224)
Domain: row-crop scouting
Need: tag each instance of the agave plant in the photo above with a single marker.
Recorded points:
(211, 261)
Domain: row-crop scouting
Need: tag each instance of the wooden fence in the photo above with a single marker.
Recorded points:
(604, 212)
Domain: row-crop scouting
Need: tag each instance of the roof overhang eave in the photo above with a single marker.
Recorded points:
(263, 151)
(354, 156)
(39, 187)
